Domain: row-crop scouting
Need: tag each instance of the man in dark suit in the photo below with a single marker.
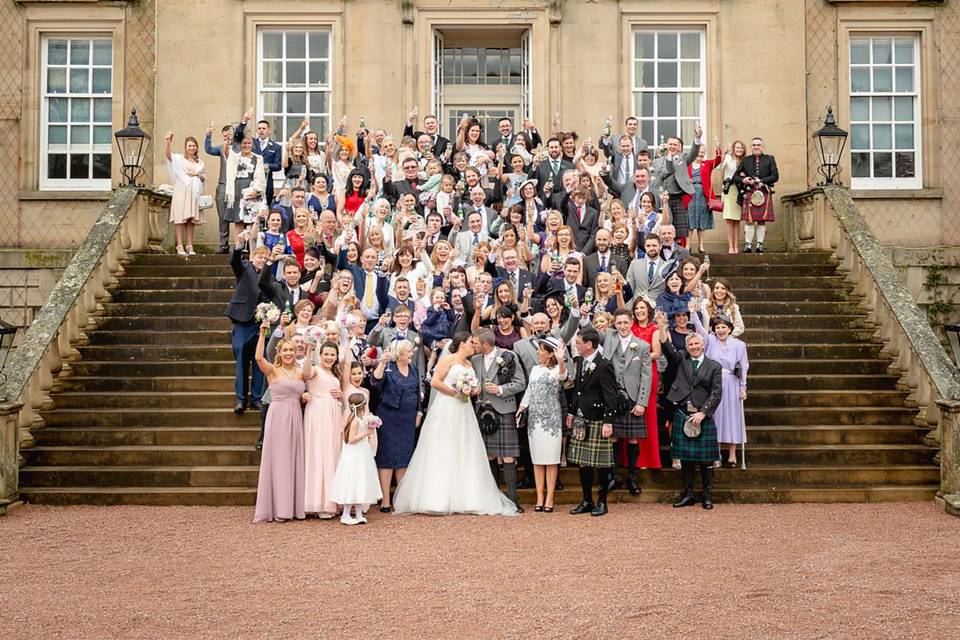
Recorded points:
(510, 272)
(696, 392)
(602, 260)
(241, 311)
(592, 412)
(507, 137)
(401, 296)
(442, 148)
(369, 285)
(285, 293)
(583, 220)
(550, 170)
(565, 287)
(409, 183)
(263, 146)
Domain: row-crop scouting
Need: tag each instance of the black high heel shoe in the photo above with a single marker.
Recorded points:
(538, 508)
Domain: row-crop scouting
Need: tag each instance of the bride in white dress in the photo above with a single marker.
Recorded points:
(449, 472)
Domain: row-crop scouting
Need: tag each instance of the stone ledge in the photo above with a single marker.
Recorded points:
(35, 258)
(64, 195)
(897, 194)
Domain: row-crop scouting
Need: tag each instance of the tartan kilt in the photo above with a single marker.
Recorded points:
(592, 451)
(752, 213)
(703, 448)
(505, 441)
(630, 426)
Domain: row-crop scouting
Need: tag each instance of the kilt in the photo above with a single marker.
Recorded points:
(630, 426)
(505, 441)
(753, 213)
(678, 215)
(592, 451)
(703, 448)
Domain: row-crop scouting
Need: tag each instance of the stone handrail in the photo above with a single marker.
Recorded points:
(826, 218)
(134, 218)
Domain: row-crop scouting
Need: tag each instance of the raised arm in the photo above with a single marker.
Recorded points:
(265, 366)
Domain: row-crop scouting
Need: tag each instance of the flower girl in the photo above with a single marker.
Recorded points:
(356, 482)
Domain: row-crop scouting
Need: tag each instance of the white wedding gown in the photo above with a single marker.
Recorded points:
(449, 472)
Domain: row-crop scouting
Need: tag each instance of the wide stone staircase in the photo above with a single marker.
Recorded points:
(145, 416)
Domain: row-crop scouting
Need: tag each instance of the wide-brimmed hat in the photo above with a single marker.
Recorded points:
(549, 343)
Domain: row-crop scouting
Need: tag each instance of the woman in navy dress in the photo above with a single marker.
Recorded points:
(399, 385)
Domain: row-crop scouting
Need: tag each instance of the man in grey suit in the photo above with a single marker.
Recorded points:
(672, 176)
(383, 335)
(645, 277)
(501, 382)
(632, 131)
(630, 196)
(464, 241)
(477, 204)
(630, 357)
(623, 160)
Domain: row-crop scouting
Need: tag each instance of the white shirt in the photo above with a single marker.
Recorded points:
(624, 342)
(488, 360)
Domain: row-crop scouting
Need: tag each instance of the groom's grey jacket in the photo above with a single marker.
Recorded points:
(508, 375)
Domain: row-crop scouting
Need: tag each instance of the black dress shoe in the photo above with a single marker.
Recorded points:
(525, 483)
(686, 500)
(223, 250)
(255, 405)
(240, 408)
(747, 248)
(583, 507)
(613, 484)
(707, 500)
(259, 445)
(386, 509)
(633, 486)
(760, 248)
(599, 510)
(519, 508)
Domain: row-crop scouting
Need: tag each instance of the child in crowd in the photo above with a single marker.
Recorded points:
(356, 483)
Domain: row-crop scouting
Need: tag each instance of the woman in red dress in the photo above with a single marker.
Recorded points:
(644, 328)
(295, 237)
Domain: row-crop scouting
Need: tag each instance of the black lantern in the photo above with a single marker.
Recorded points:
(953, 337)
(132, 142)
(830, 141)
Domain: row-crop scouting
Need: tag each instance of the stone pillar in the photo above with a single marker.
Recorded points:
(949, 493)
(9, 454)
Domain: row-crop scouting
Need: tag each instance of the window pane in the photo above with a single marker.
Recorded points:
(56, 134)
(57, 109)
(904, 52)
(646, 106)
(860, 136)
(102, 52)
(690, 75)
(882, 136)
(648, 75)
(516, 64)
(79, 166)
(666, 74)
(667, 128)
(492, 64)
(272, 74)
(79, 135)
(296, 73)
(882, 165)
(296, 45)
(101, 135)
(859, 80)
(79, 80)
(686, 131)
(79, 52)
(101, 166)
(57, 166)
(666, 45)
(859, 52)
(56, 52)
(903, 108)
(296, 102)
(290, 124)
(469, 63)
(318, 73)
(690, 45)
(272, 102)
(80, 110)
(859, 109)
(882, 52)
(903, 133)
(102, 110)
(882, 79)
(101, 80)
(646, 131)
(905, 165)
(904, 78)
(319, 44)
(666, 104)
(56, 80)
(272, 45)
(319, 102)
(646, 45)
(690, 105)
(882, 109)
(860, 165)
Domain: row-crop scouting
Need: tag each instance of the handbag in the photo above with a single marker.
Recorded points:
(715, 205)
(204, 202)
(487, 419)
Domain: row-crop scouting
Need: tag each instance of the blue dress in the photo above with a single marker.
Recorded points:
(399, 402)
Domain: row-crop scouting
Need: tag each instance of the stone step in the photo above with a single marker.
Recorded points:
(830, 415)
(204, 294)
(160, 309)
(799, 308)
(816, 367)
(784, 382)
(176, 283)
(149, 417)
(752, 320)
(164, 324)
(756, 335)
(832, 398)
(800, 281)
(835, 434)
(756, 475)
(198, 336)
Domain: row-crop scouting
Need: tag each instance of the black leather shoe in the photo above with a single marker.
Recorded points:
(255, 405)
(525, 483)
(600, 509)
(223, 250)
(614, 483)
(760, 248)
(583, 507)
(686, 500)
(633, 486)
(240, 408)
(707, 502)
(386, 509)
(519, 508)
(747, 248)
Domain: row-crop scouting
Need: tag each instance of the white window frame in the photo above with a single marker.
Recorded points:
(636, 91)
(73, 184)
(279, 131)
(868, 183)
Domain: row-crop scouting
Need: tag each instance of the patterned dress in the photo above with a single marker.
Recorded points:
(544, 418)
(699, 215)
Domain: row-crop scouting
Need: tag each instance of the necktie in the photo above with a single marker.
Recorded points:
(580, 213)
(555, 166)
(476, 238)
(513, 281)
(696, 365)
(293, 296)
(650, 269)
(369, 291)
(603, 263)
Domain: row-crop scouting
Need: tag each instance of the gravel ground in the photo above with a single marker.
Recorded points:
(741, 571)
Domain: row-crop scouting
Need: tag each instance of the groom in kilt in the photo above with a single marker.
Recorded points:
(501, 382)
(590, 419)
(696, 391)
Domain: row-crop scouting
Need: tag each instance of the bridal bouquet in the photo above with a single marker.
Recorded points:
(373, 422)
(466, 385)
(267, 311)
(313, 334)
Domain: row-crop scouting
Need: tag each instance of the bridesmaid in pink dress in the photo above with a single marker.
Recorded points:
(280, 488)
(323, 427)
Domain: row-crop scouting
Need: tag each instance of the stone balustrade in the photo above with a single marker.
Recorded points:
(826, 218)
(133, 219)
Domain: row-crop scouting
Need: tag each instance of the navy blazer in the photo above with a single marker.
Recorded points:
(360, 282)
(246, 294)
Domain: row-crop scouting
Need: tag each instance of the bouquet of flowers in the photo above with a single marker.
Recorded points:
(267, 311)
(373, 422)
(466, 385)
(313, 334)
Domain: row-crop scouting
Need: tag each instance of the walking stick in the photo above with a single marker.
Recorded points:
(743, 445)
